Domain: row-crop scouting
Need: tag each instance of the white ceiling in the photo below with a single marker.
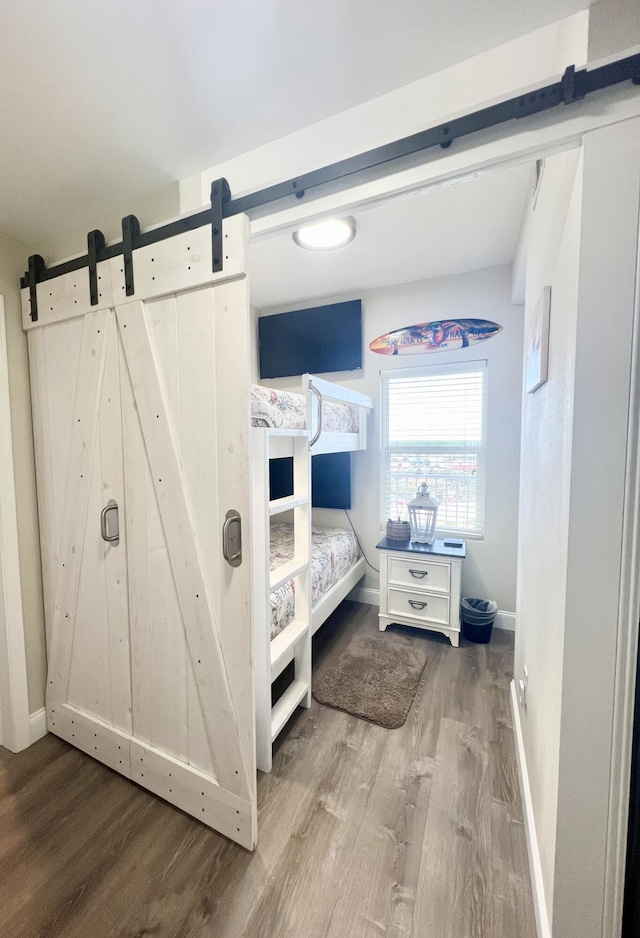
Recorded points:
(105, 101)
(467, 226)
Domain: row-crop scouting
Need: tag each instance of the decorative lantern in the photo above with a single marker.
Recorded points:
(422, 514)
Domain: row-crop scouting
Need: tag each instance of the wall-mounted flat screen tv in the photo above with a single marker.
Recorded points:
(316, 340)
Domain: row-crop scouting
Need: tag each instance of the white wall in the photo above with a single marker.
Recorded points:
(614, 27)
(490, 567)
(150, 208)
(574, 437)
(551, 259)
(493, 75)
(13, 261)
(606, 297)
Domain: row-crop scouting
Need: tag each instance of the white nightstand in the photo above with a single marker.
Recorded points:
(420, 585)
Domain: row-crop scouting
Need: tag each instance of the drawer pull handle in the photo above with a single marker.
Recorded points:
(416, 604)
(418, 574)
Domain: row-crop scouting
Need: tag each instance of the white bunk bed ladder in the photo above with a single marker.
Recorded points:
(294, 642)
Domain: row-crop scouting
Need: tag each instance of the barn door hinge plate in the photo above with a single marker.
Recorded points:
(30, 279)
(95, 244)
(220, 195)
(130, 235)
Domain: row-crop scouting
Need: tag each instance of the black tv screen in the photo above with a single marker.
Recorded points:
(330, 479)
(317, 340)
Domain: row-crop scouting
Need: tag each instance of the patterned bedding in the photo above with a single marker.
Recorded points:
(286, 409)
(334, 551)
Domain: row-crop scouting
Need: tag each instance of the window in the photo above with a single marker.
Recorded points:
(433, 430)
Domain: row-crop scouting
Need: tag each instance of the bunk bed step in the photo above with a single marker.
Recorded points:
(285, 572)
(278, 505)
(282, 646)
(285, 707)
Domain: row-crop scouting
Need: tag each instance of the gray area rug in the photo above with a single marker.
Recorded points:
(373, 677)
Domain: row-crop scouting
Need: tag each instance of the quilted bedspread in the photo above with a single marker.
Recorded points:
(271, 407)
(334, 551)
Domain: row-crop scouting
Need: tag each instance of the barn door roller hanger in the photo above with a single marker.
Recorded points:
(132, 238)
(573, 86)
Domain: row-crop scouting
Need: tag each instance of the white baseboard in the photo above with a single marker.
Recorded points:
(505, 620)
(38, 724)
(535, 865)
(360, 594)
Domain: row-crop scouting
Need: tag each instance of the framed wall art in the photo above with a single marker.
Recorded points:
(538, 343)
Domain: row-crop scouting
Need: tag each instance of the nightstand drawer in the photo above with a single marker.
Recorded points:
(413, 604)
(419, 574)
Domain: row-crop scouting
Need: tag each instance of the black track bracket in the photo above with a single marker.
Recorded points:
(220, 195)
(130, 235)
(573, 84)
(573, 87)
(95, 244)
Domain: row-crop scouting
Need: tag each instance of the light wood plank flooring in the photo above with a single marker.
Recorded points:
(363, 832)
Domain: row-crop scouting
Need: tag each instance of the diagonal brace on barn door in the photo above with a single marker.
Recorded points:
(184, 551)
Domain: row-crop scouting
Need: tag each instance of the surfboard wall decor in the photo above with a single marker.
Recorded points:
(444, 335)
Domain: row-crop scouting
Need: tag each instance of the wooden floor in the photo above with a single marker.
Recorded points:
(363, 832)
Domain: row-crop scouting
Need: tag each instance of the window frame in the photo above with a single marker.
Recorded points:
(480, 451)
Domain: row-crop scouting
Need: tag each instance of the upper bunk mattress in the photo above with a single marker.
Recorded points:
(334, 551)
(286, 410)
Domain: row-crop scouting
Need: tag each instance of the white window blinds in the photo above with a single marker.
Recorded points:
(433, 430)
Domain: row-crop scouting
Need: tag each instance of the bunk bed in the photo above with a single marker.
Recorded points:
(301, 571)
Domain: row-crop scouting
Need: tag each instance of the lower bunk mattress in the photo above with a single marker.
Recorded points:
(334, 551)
(288, 410)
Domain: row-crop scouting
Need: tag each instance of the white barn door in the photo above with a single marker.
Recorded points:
(141, 423)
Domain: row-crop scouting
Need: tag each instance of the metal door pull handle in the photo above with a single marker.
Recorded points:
(111, 505)
(417, 605)
(418, 574)
(232, 538)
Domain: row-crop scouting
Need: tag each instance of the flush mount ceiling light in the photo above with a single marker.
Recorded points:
(326, 235)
